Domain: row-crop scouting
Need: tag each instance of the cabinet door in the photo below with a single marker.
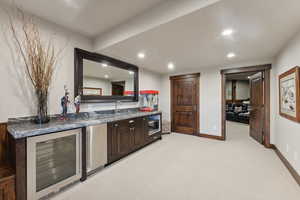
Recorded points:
(124, 138)
(146, 129)
(112, 141)
(138, 133)
(120, 140)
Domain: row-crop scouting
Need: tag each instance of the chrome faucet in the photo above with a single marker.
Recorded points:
(117, 110)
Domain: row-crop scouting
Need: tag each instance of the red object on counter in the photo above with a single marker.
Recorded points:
(146, 109)
(149, 100)
(128, 93)
(149, 92)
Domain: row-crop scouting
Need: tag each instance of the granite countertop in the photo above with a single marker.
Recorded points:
(24, 127)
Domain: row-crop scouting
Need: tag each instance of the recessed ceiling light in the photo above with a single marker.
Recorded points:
(171, 66)
(141, 55)
(106, 76)
(104, 65)
(131, 72)
(227, 32)
(231, 55)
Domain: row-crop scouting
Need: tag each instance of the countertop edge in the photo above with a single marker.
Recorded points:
(17, 134)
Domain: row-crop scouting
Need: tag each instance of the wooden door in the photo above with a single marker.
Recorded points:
(118, 88)
(257, 107)
(185, 104)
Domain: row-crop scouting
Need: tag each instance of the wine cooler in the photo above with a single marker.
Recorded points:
(53, 161)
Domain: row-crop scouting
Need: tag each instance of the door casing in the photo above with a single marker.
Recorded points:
(265, 69)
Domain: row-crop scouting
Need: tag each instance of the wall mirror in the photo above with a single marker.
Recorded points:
(101, 78)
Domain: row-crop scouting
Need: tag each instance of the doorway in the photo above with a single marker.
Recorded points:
(185, 104)
(258, 107)
(118, 88)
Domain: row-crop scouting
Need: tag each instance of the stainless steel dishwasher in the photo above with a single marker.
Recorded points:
(96, 147)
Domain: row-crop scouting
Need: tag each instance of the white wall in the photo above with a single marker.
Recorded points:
(210, 101)
(242, 90)
(210, 97)
(93, 82)
(228, 90)
(16, 98)
(287, 132)
(165, 99)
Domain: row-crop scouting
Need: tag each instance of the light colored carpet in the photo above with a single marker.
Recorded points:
(182, 167)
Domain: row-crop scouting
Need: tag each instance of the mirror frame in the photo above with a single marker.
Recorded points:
(80, 54)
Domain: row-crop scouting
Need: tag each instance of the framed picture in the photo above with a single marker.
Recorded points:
(289, 94)
(92, 91)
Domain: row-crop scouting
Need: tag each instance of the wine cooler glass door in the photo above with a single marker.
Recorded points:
(55, 162)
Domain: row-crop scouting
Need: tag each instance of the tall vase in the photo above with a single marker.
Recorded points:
(42, 107)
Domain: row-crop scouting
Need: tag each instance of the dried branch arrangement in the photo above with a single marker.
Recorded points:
(39, 58)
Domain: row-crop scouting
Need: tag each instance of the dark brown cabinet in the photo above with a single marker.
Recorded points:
(138, 131)
(7, 183)
(126, 136)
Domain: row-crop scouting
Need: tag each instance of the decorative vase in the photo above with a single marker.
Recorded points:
(39, 59)
(42, 107)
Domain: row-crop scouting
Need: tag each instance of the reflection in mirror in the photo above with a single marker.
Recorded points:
(102, 79)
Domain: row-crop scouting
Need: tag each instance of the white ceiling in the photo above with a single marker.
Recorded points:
(190, 36)
(88, 17)
(96, 70)
(262, 28)
(165, 12)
